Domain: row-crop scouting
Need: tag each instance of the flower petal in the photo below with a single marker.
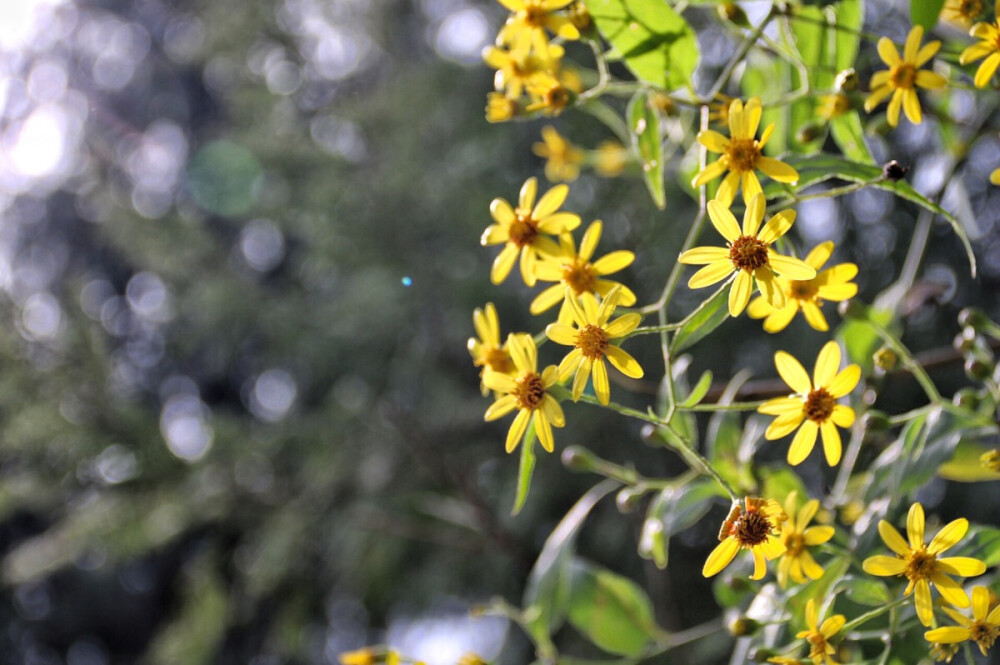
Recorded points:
(893, 538)
(500, 408)
(739, 294)
(720, 557)
(915, 526)
(711, 274)
(623, 325)
(759, 565)
(770, 288)
(845, 381)
(752, 112)
(784, 425)
(710, 172)
(728, 188)
(581, 377)
(561, 334)
(817, 535)
(911, 106)
(544, 430)
(961, 565)
(517, 428)
(777, 226)
(602, 388)
(780, 406)
(713, 140)
(789, 267)
(912, 45)
(949, 536)
(613, 262)
(704, 255)
(590, 239)
(883, 566)
(926, 52)
(569, 365)
(779, 319)
(547, 299)
(827, 364)
(502, 212)
(792, 372)
(831, 443)
(624, 362)
(809, 566)
(503, 263)
(814, 316)
(948, 635)
(550, 202)
(950, 590)
(500, 383)
(887, 51)
(985, 72)
(895, 104)
(723, 221)
(980, 603)
(778, 170)
(820, 254)
(754, 215)
(751, 186)
(922, 601)
(833, 625)
(803, 443)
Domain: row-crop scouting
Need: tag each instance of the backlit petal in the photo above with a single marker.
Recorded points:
(613, 262)
(784, 425)
(915, 526)
(950, 590)
(831, 443)
(893, 538)
(713, 140)
(789, 267)
(845, 381)
(547, 299)
(544, 430)
(961, 565)
(887, 51)
(980, 603)
(623, 325)
(912, 45)
(599, 374)
(949, 536)
(770, 288)
(803, 443)
(720, 557)
(711, 274)
(792, 372)
(550, 202)
(922, 601)
(827, 364)
(728, 188)
(500, 383)
(704, 255)
(723, 221)
(501, 407)
(779, 319)
(926, 52)
(754, 215)
(739, 294)
(947, 635)
(710, 172)
(817, 535)
(624, 362)
(985, 72)
(752, 112)
(759, 565)
(911, 105)
(517, 428)
(895, 104)
(502, 212)
(590, 239)
(883, 566)
(561, 334)
(780, 406)
(503, 263)
(581, 377)
(778, 170)
(814, 316)
(751, 186)
(777, 226)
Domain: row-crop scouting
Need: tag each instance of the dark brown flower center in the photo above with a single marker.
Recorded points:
(748, 253)
(523, 230)
(592, 342)
(579, 276)
(805, 290)
(819, 405)
(971, 9)
(984, 634)
(499, 360)
(751, 529)
(534, 14)
(743, 154)
(921, 565)
(557, 97)
(903, 75)
(529, 391)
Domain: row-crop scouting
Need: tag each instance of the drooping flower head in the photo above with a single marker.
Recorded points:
(591, 337)
(808, 295)
(487, 351)
(521, 229)
(575, 270)
(962, 11)
(748, 254)
(988, 47)
(526, 392)
(563, 159)
(752, 526)
(920, 563)
(818, 636)
(741, 155)
(904, 76)
(813, 409)
(516, 70)
(525, 29)
(797, 537)
(983, 628)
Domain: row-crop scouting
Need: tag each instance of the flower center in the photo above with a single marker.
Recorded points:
(592, 342)
(983, 634)
(903, 75)
(748, 253)
(751, 529)
(794, 544)
(523, 230)
(499, 360)
(556, 98)
(804, 290)
(819, 405)
(529, 391)
(579, 276)
(971, 8)
(743, 154)
(921, 565)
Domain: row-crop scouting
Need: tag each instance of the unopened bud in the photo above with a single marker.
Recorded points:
(743, 626)
(846, 80)
(853, 309)
(965, 341)
(875, 421)
(973, 318)
(808, 132)
(885, 359)
(967, 398)
(977, 369)
(990, 460)
(578, 458)
(628, 499)
(732, 12)
(893, 170)
(762, 655)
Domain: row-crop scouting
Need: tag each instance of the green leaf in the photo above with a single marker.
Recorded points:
(769, 78)
(655, 42)
(673, 510)
(983, 543)
(849, 135)
(850, 17)
(814, 169)
(525, 469)
(645, 128)
(864, 590)
(711, 316)
(860, 339)
(699, 390)
(925, 12)
(612, 611)
(779, 482)
(547, 588)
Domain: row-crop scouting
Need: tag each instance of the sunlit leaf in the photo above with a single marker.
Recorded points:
(864, 590)
(716, 311)
(644, 126)
(525, 469)
(699, 390)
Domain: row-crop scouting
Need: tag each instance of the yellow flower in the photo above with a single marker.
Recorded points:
(903, 74)
(748, 254)
(718, 110)
(521, 228)
(516, 70)
(610, 159)
(752, 526)
(920, 563)
(591, 339)
(563, 158)
(500, 107)
(808, 295)
(995, 177)
(813, 409)
(525, 29)
(364, 656)
(741, 155)
(983, 629)
(527, 392)
(988, 47)
(796, 536)
(962, 11)
(832, 106)
(818, 637)
(575, 270)
(549, 95)
(943, 652)
(487, 351)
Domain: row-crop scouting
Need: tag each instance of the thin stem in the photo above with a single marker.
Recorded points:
(603, 74)
(908, 360)
(901, 418)
(738, 58)
(871, 614)
(732, 406)
(793, 197)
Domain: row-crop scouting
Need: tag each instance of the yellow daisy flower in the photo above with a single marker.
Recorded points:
(525, 29)
(943, 652)
(610, 158)
(920, 564)
(818, 636)
(813, 409)
(983, 629)
(591, 339)
(797, 536)
(748, 254)
(563, 159)
(718, 110)
(753, 526)
(962, 11)
(988, 47)
(527, 392)
(575, 270)
(487, 351)
(516, 70)
(521, 229)
(995, 177)
(903, 74)
(808, 295)
(550, 95)
(741, 155)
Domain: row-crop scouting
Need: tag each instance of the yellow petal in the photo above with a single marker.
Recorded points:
(975, 52)
(570, 364)
(814, 316)
(550, 202)
(623, 325)
(949, 536)
(915, 526)
(737, 125)
(739, 294)
(613, 262)
(980, 603)
(754, 215)
(784, 425)
(877, 96)
(759, 565)
(728, 188)
(831, 443)
(778, 170)
(893, 538)
(922, 600)
(711, 274)
(544, 430)
(559, 222)
(503, 263)
(780, 318)
(911, 105)
(770, 288)
(792, 372)
(817, 535)
(522, 351)
(704, 255)
(895, 104)
(845, 381)
(500, 383)
(780, 406)
(803, 443)
(752, 112)
(710, 172)
(985, 72)
(961, 565)
(947, 635)
(950, 590)
(713, 140)
(602, 388)
(837, 292)
(553, 412)
(500, 408)
(517, 428)
(777, 226)
(624, 362)
(751, 186)
(723, 221)
(502, 212)
(590, 239)
(912, 45)
(926, 52)
(720, 557)
(832, 625)
(883, 566)
(561, 334)
(789, 267)
(827, 364)
(547, 299)
(809, 565)
(758, 308)
(887, 51)
(526, 197)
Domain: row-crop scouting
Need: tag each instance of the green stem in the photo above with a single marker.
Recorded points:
(733, 406)
(825, 194)
(871, 614)
(738, 58)
(908, 360)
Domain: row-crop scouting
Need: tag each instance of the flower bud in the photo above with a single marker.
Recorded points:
(875, 421)
(973, 317)
(846, 80)
(808, 132)
(967, 398)
(965, 341)
(893, 170)
(977, 369)
(853, 309)
(578, 458)
(628, 499)
(732, 12)
(885, 359)
(743, 626)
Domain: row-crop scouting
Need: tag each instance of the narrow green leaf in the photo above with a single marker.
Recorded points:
(850, 18)
(925, 12)
(645, 128)
(699, 390)
(654, 41)
(716, 311)
(983, 543)
(849, 135)
(525, 469)
(547, 588)
(864, 590)
(673, 510)
(612, 611)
